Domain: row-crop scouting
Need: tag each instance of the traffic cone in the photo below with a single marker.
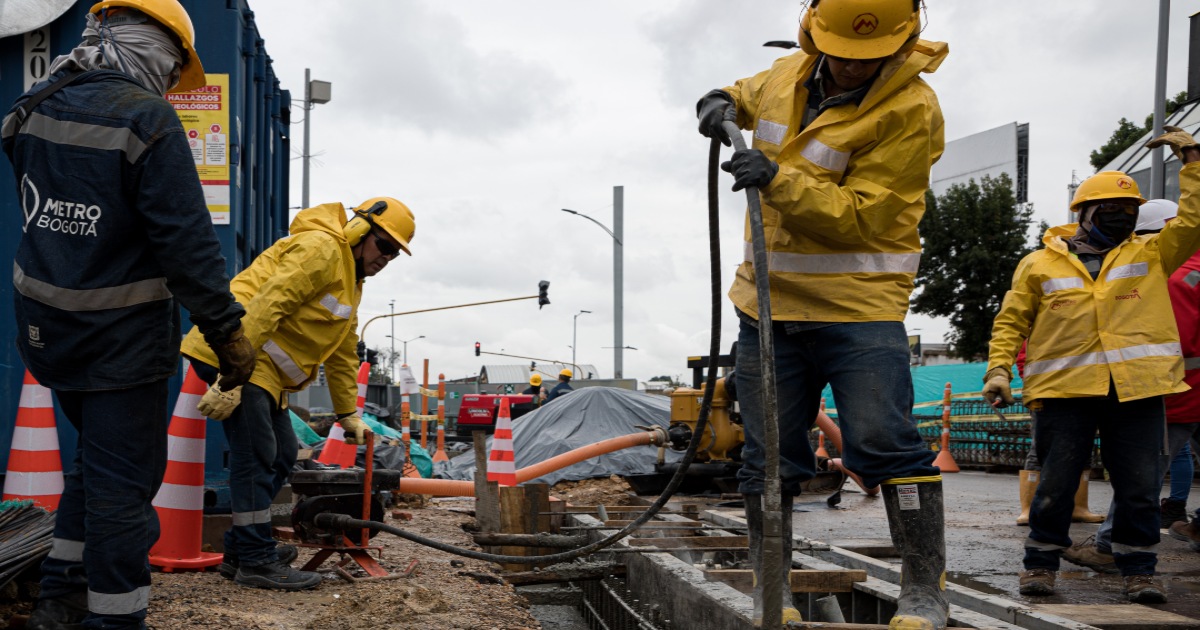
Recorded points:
(440, 454)
(821, 452)
(944, 460)
(502, 467)
(34, 463)
(409, 469)
(180, 499)
(336, 450)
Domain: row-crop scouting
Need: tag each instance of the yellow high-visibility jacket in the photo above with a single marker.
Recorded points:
(1084, 332)
(301, 298)
(841, 215)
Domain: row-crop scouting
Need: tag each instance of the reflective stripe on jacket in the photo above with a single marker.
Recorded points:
(1084, 332)
(115, 235)
(841, 215)
(301, 297)
(1184, 287)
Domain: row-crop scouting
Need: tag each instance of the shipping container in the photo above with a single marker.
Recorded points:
(239, 130)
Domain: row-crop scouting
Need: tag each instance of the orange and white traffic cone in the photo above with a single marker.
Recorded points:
(502, 467)
(34, 463)
(180, 499)
(336, 450)
(440, 454)
(944, 460)
(409, 469)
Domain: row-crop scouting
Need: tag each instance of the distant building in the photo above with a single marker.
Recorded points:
(1004, 149)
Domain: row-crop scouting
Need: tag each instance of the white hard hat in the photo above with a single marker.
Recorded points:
(1154, 214)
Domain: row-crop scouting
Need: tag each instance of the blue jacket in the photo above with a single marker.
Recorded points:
(116, 236)
(563, 387)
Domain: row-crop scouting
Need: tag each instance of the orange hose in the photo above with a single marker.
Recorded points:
(835, 434)
(456, 488)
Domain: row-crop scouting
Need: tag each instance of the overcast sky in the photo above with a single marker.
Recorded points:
(487, 118)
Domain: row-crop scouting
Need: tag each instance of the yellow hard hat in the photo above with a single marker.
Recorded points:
(566, 373)
(385, 213)
(171, 15)
(535, 380)
(859, 29)
(1106, 185)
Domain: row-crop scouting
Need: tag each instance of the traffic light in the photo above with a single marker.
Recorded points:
(362, 351)
(543, 293)
(476, 348)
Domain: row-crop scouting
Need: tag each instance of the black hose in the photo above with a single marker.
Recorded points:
(344, 522)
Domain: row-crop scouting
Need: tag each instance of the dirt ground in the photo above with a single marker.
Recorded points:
(437, 596)
(610, 491)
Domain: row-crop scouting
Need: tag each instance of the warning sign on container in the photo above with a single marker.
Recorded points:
(205, 117)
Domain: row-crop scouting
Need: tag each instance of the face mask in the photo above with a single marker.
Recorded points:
(1113, 227)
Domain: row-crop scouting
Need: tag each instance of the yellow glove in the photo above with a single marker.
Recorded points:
(355, 429)
(1175, 138)
(218, 404)
(997, 386)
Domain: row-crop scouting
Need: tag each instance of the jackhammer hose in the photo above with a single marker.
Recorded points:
(341, 521)
(772, 541)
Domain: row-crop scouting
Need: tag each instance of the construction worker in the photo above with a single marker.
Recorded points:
(845, 133)
(1182, 410)
(563, 387)
(536, 390)
(115, 237)
(1102, 353)
(301, 298)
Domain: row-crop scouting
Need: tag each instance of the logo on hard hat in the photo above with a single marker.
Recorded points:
(865, 23)
(1123, 182)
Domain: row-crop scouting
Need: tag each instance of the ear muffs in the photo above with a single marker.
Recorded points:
(804, 38)
(361, 224)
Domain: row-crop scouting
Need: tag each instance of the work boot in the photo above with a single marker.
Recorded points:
(754, 528)
(65, 612)
(276, 575)
(1081, 513)
(1172, 512)
(229, 563)
(1086, 554)
(1037, 582)
(914, 510)
(1187, 531)
(1028, 486)
(1145, 589)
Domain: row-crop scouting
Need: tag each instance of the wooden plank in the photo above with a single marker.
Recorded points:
(558, 510)
(691, 542)
(1119, 616)
(617, 523)
(537, 517)
(513, 521)
(487, 507)
(870, 547)
(803, 580)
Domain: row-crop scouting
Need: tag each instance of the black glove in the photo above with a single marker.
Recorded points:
(713, 109)
(750, 168)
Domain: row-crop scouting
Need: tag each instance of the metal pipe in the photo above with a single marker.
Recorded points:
(618, 282)
(1160, 99)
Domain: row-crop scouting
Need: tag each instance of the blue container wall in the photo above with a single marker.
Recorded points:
(228, 42)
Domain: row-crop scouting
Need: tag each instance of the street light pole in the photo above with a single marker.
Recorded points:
(617, 234)
(392, 358)
(315, 93)
(574, 337)
(406, 346)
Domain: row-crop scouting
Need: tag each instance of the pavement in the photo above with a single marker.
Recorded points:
(984, 546)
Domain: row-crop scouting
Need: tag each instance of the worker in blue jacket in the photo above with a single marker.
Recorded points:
(116, 236)
(563, 387)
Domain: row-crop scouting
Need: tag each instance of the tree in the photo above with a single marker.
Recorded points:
(1127, 133)
(973, 237)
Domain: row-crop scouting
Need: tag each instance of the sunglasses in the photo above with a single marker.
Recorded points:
(385, 246)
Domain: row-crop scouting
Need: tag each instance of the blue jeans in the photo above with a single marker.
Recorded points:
(105, 524)
(867, 366)
(1131, 446)
(1178, 435)
(262, 450)
(1181, 474)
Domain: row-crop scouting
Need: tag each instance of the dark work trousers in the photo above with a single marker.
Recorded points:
(105, 524)
(262, 450)
(866, 364)
(1131, 446)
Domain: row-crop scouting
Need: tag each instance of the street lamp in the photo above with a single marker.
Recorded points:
(574, 328)
(392, 357)
(315, 93)
(406, 347)
(618, 274)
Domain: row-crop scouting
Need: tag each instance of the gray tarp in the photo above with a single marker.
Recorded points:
(583, 417)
